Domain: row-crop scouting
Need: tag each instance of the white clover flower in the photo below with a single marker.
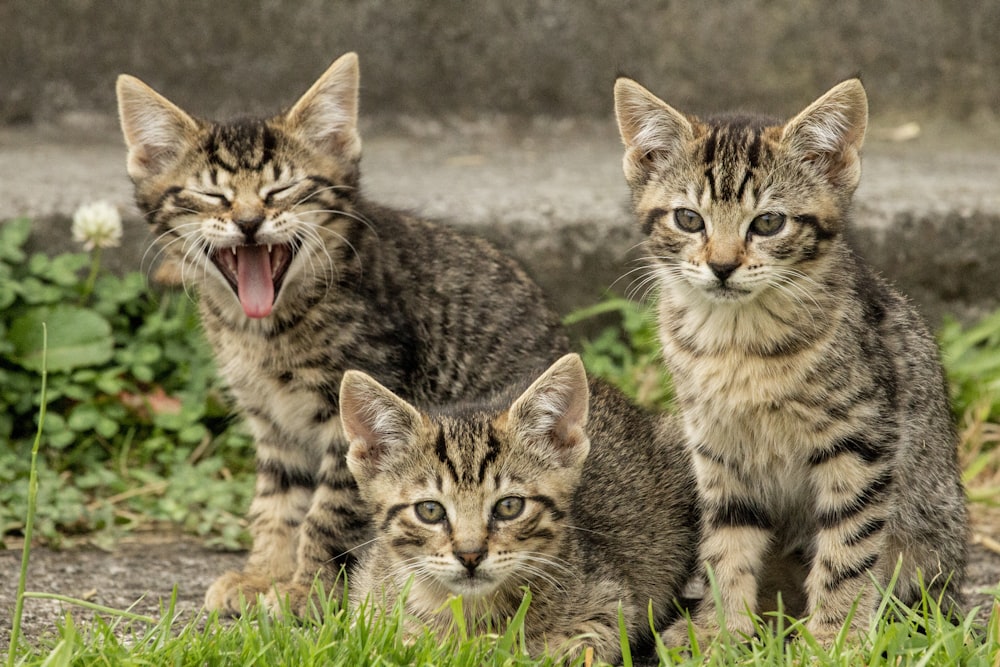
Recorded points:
(97, 225)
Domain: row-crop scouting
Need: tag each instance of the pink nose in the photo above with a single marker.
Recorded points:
(470, 559)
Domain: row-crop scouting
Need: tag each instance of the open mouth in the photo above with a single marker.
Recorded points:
(255, 272)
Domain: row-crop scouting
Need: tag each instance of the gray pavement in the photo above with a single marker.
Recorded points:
(551, 193)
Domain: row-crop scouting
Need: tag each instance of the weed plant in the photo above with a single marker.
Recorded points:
(138, 431)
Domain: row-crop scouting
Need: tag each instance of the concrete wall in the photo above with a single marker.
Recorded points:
(555, 57)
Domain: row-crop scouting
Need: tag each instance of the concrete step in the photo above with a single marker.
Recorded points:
(551, 192)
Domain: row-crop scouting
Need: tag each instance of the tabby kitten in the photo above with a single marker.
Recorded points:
(301, 278)
(813, 399)
(589, 502)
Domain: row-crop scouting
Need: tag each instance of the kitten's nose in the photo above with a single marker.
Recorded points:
(723, 270)
(249, 226)
(470, 559)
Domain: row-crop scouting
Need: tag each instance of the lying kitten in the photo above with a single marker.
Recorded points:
(571, 491)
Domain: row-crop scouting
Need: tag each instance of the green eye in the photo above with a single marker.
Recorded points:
(688, 221)
(767, 224)
(430, 511)
(508, 508)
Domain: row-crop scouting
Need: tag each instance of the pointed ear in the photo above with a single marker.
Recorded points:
(648, 125)
(375, 420)
(830, 133)
(326, 117)
(156, 130)
(552, 412)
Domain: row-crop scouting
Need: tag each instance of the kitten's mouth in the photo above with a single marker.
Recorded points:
(256, 273)
(727, 293)
(473, 585)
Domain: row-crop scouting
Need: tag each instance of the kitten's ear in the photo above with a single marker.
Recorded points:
(326, 117)
(156, 130)
(552, 412)
(375, 420)
(648, 125)
(830, 132)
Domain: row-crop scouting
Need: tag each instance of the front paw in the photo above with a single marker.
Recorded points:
(301, 600)
(684, 633)
(288, 598)
(233, 592)
(829, 634)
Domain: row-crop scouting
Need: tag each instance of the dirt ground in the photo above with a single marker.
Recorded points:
(141, 572)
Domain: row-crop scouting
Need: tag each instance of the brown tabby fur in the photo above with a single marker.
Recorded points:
(603, 499)
(813, 398)
(253, 205)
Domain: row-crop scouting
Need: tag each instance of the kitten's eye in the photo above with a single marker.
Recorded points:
(278, 193)
(508, 508)
(688, 221)
(216, 198)
(430, 511)
(767, 224)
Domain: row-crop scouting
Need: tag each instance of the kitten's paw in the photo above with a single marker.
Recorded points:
(560, 646)
(226, 592)
(826, 634)
(298, 599)
(702, 631)
(288, 597)
(679, 634)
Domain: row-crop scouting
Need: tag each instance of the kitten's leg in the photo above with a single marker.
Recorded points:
(334, 527)
(736, 533)
(282, 496)
(853, 484)
(589, 620)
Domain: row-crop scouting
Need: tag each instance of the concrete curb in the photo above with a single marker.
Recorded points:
(551, 193)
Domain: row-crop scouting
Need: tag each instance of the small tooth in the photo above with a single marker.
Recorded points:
(233, 249)
(269, 247)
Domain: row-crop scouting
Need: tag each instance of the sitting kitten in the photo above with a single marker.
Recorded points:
(813, 399)
(301, 278)
(588, 502)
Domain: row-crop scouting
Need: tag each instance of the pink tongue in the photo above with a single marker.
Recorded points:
(253, 278)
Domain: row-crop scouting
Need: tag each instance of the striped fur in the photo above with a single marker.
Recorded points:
(609, 509)
(433, 314)
(813, 399)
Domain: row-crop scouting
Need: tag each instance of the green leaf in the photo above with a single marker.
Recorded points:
(8, 293)
(192, 434)
(65, 270)
(83, 418)
(77, 337)
(107, 428)
(35, 291)
(13, 235)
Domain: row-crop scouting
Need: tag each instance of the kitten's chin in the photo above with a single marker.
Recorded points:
(728, 295)
(472, 587)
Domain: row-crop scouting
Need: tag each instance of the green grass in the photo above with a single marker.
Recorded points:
(116, 455)
(902, 636)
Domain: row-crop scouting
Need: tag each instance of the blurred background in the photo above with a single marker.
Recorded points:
(497, 116)
(554, 57)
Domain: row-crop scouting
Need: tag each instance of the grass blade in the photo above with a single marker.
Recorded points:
(29, 522)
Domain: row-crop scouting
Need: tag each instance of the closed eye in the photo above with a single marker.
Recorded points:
(279, 193)
(214, 198)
